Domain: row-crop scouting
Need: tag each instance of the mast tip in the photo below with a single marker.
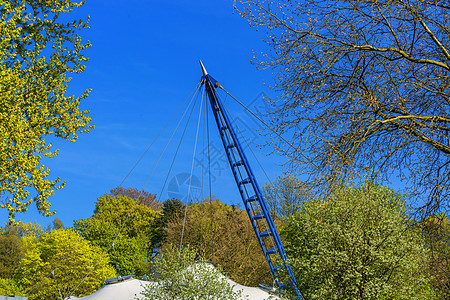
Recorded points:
(203, 68)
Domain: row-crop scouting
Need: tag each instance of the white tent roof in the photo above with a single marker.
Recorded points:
(131, 288)
(253, 293)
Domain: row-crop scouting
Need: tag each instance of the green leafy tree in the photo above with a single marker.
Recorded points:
(56, 251)
(9, 286)
(12, 248)
(22, 229)
(357, 244)
(223, 234)
(11, 251)
(363, 86)
(38, 52)
(131, 250)
(172, 209)
(285, 196)
(436, 231)
(180, 276)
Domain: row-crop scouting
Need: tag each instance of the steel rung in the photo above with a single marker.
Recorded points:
(238, 163)
(266, 233)
(272, 251)
(252, 198)
(259, 216)
(277, 268)
(244, 181)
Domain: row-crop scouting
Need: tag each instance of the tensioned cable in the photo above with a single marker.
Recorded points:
(210, 185)
(129, 213)
(259, 163)
(101, 209)
(252, 206)
(168, 173)
(173, 161)
(227, 137)
(145, 152)
(190, 178)
(271, 129)
(203, 173)
(233, 153)
(232, 119)
(170, 168)
(248, 145)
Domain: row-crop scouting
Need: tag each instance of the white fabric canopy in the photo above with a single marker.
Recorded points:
(127, 289)
(131, 288)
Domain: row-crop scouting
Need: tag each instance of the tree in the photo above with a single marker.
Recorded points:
(436, 231)
(130, 251)
(181, 277)
(285, 196)
(172, 209)
(57, 223)
(39, 49)
(357, 244)
(9, 287)
(364, 88)
(55, 251)
(12, 249)
(223, 234)
(143, 197)
(22, 229)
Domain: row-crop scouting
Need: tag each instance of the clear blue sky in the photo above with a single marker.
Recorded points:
(143, 64)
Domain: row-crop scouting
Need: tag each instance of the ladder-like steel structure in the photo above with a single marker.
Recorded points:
(251, 194)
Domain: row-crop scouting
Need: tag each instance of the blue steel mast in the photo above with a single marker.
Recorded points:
(252, 197)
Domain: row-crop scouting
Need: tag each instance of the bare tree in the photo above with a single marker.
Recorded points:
(144, 197)
(285, 196)
(365, 89)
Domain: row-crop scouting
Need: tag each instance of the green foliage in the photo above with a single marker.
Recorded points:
(37, 53)
(436, 231)
(12, 248)
(222, 233)
(181, 277)
(9, 286)
(22, 229)
(172, 209)
(11, 251)
(357, 244)
(131, 248)
(55, 250)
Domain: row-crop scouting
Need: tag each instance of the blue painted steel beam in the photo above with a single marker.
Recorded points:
(251, 194)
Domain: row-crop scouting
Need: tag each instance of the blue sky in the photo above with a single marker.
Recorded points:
(143, 65)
